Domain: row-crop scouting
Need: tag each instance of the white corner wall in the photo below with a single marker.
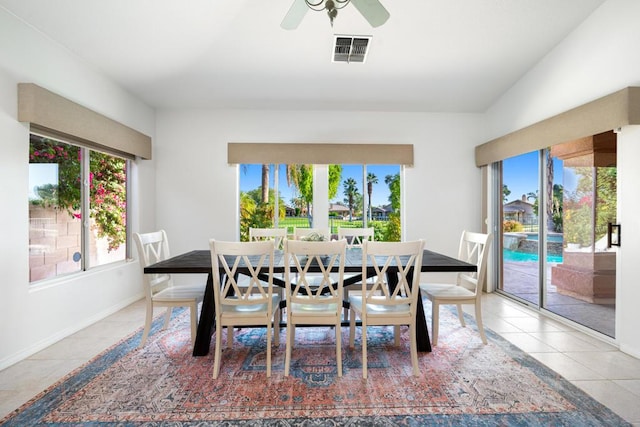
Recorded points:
(598, 58)
(628, 288)
(33, 318)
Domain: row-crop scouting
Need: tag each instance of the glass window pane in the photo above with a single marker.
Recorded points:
(520, 255)
(108, 208)
(257, 197)
(54, 209)
(376, 200)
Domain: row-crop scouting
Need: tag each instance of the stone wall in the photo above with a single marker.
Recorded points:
(54, 243)
(518, 242)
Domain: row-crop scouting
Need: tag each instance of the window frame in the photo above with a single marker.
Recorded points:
(85, 151)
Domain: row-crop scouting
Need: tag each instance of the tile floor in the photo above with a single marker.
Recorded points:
(595, 366)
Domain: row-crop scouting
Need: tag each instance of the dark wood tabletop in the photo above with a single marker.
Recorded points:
(199, 261)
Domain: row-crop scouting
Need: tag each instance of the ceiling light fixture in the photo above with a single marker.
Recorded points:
(331, 6)
(371, 10)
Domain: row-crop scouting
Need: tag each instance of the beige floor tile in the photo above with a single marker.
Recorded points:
(499, 325)
(10, 400)
(82, 348)
(566, 366)
(596, 342)
(613, 365)
(632, 385)
(614, 397)
(564, 341)
(527, 343)
(508, 311)
(530, 324)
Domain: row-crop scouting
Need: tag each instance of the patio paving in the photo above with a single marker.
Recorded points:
(521, 280)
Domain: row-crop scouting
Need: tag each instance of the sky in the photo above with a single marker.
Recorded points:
(250, 179)
(520, 175)
(41, 174)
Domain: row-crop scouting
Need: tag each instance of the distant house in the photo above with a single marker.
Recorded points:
(379, 213)
(339, 209)
(519, 210)
(289, 211)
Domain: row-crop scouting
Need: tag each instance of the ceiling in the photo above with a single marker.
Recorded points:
(431, 55)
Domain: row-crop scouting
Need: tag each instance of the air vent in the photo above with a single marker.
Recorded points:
(350, 48)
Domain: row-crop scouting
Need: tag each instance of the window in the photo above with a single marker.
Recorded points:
(375, 203)
(77, 208)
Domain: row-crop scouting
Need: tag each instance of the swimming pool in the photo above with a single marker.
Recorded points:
(513, 256)
(550, 237)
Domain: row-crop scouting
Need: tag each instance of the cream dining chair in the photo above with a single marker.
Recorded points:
(313, 300)
(159, 289)
(235, 305)
(473, 248)
(354, 237)
(384, 304)
(278, 235)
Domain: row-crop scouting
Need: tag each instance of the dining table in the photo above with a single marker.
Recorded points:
(199, 262)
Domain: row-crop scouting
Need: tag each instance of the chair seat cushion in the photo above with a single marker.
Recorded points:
(444, 291)
(316, 308)
(250, 309)
(356, 301)
(186, 293)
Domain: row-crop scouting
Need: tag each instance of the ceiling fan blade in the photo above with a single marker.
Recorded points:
(293, 18)
(372, 10)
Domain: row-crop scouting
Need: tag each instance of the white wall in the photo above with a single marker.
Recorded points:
(31, 319)
(197, 191)
(598, 58)
(628, 288)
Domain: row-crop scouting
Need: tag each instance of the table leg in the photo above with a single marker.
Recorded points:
(206, 322)
(422, 332)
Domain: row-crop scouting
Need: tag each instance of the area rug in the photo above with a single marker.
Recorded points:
(462, 382)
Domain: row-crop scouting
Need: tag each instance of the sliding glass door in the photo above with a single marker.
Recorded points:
(582, 286)
(520, 225)
(557, 205)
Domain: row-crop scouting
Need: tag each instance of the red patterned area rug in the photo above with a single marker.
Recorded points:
(462, 382)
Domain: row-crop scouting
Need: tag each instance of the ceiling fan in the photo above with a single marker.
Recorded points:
(372, 11)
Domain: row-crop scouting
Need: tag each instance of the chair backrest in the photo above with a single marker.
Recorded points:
(153, 247)
(355, 236)
(321, 287)
(474, 249)
(301, 233)
(246, 260)
(277, 235)
(403, 260)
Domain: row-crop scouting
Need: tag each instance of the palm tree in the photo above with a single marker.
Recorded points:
(350, 191)
(371, 179)
(265, 183)
(549, 176)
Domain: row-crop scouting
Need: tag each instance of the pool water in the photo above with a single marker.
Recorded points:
(550, 237)
(513, 256)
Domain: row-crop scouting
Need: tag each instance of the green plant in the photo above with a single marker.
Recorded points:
(314, 237)
(107, 186)
(393, 231)
(580, 225)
